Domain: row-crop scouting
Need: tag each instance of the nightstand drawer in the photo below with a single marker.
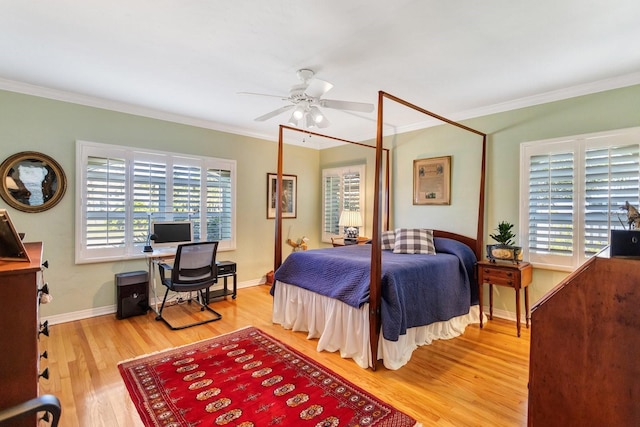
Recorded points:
(499, 277)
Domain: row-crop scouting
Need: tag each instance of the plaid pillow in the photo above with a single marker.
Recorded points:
(388, 240)
(414, 241)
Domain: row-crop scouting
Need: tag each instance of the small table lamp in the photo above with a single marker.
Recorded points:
(351, 220)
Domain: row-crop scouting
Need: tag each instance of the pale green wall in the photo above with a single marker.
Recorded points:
(52, 127)
(506, 131)
(603, 111)
(29, 123)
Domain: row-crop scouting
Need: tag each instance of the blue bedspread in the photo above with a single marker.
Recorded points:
(417, 289)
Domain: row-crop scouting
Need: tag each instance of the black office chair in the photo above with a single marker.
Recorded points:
(47, 403)
(194, 270)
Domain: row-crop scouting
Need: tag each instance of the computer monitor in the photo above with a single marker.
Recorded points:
(166, 234)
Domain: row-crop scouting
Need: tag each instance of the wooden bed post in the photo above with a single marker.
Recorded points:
(480, 231)
(375, 277)
(375, 320)
(277, 258)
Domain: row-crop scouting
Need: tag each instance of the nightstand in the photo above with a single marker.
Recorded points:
(516, 276)
(339, 241)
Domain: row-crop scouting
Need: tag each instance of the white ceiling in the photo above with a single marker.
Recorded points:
(187, 60)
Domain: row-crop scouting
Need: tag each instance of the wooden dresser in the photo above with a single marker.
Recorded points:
(585, 339)
(20, 284)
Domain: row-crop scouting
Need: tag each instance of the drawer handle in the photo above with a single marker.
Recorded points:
(44, 289)
(510, 283)
(44, 355)
(509, 274)
(45, 374)
(44, 329)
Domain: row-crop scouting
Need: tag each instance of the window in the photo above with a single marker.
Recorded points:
(342, 188)
(572, 193)
(121, 190)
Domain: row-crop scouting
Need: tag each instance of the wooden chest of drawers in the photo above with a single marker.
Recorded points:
(20, 285)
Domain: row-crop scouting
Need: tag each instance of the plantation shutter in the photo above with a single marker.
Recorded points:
(186, 195)
(576, 190)
(105, 199)
(122, 190)
(611, 178)
(342, 189)
(149, 195)
(219, 205)
(331, 204)
(351, 192)
(551, 182)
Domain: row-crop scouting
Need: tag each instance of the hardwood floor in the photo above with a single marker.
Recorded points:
(478, 379)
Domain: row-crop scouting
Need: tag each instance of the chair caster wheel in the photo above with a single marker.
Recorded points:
(158, 318)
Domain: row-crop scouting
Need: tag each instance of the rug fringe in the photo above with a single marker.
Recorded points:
(184, 345)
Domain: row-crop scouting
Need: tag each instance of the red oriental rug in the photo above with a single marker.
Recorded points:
(248, 378)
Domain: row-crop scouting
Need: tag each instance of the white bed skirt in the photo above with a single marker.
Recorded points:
(340, 327)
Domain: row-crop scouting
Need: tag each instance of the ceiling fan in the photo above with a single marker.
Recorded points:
(306, 100)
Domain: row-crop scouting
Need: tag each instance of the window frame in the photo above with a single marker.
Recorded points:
(130, 155)
(341, 171)
(578, 146)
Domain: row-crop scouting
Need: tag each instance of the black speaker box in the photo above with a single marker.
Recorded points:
(132, 294)
(625, 243)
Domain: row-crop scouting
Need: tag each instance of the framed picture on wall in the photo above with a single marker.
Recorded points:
(289, 197)
(432, 181)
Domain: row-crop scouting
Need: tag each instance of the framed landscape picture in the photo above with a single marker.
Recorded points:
(432, 181)
(289, 197)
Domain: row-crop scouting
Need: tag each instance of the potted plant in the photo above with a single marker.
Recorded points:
(505, 249)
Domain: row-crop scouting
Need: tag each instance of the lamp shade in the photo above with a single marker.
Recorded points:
(350, 219)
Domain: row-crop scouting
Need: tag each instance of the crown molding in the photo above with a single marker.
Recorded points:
(530, 101)
(543, 98)
(120, 107)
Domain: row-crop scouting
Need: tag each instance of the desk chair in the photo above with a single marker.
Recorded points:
(194, 269)
(47, 403)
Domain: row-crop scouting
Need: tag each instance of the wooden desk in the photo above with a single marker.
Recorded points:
(339, 241)
(516, 276)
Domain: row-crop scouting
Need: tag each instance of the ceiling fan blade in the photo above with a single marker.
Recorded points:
(317, 88)
(274, 113)
(346, 105)
(283, 97)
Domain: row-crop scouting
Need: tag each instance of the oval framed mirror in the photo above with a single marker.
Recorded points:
(32, 181)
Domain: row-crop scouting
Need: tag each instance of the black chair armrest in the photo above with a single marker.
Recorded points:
(164, 267)
(46, 402)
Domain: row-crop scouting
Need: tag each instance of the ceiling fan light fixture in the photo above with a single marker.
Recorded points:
(308, 121)
(316, 114)
(298, 113)
(292, 120)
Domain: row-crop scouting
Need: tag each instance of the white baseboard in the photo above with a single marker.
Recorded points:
(503, 314)
(111, 309)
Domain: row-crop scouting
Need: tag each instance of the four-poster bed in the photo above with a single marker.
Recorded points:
(355, 330)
